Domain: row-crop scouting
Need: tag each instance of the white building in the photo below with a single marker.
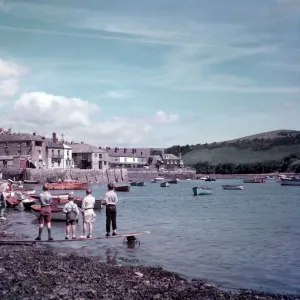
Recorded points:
(59, 156)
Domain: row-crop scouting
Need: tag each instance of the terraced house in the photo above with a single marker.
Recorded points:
(86, 156)
(21, 150)
(128, 157)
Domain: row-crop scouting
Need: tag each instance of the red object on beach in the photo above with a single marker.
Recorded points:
(122, 188)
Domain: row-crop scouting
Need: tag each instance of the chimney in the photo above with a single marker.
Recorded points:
(34, 134)
(54, 138)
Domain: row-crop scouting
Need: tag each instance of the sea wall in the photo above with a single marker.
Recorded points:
(147, 175)
(43, 175)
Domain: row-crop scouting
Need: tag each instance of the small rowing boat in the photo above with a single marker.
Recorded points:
(122, 188)
(200, 190)
(232, 187)
(165, 184)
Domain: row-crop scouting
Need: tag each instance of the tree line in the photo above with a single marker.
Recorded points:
(289, 163)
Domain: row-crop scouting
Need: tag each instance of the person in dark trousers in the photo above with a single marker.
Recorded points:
(45, 214)
(111, 200)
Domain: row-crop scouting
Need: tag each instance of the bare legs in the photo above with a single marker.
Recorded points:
(90, 225)
(73, 231)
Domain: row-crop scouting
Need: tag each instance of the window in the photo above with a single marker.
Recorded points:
(105, 163)
(125, 159)
(141, 152)
(19, 151)
(58, 151)
(52, 152)
(6, 144)
(133, 159)
(68, 153)
(28, 144)
(100, 155)
(95, 154)
(58, 162)
(38, 144)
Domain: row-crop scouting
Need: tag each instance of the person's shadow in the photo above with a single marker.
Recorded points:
(111, 256)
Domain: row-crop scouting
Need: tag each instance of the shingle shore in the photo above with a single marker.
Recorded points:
(38, 272)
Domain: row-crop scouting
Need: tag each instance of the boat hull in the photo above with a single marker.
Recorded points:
(201, 191)
(289, 182)
(142, 183)
(98, 203)
(56, 213)
(123, 188)
(232, 187)
(254, 180)
(174, 181)
(68, 186)
(165, 184)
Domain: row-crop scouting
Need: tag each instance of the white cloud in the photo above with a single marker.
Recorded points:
(162, 117)
(10, 73)
(78, 119)
(118, 94)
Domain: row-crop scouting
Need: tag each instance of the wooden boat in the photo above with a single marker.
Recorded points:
(56, 212)
(133, 183)
(290, 181)
(122, 188)
(199, 190)
(173, 181)
(141, 183)
(25, 191)
(12, 202)
(98, 203)
(68, 185)
(165, 184)
(31, 181)
(157, 179)
(254, 180)
(210, 179)
(232, 187)
(61, 196)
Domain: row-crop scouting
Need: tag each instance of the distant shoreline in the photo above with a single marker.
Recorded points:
(242, 176)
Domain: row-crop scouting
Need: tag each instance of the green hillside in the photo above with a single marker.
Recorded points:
(269, 151)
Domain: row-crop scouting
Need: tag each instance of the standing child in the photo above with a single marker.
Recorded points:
(71, 210)
(111, 200)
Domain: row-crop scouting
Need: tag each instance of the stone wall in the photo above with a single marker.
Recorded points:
(146, 175)
(43, 175)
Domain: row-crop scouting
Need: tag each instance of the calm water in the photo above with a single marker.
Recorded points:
(236, 239)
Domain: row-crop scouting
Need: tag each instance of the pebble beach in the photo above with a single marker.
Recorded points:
(38, 272)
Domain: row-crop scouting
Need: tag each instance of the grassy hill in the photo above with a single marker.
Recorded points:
(274, 151)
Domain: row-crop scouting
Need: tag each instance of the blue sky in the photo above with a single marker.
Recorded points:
(149, 73)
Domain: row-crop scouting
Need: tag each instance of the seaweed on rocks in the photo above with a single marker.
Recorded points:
(38, 272)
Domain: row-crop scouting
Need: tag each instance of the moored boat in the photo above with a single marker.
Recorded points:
(56, 212)
(133, 183)
(31, 181)
(68, 185)
(165, 184)
(122, 188)
(173, 181)
(254, 180)
(292, 181)
(141, 183)
(232, 187)
(210, 179)
(199, 190)
(159, 179)
(61, 196)
(98, 203)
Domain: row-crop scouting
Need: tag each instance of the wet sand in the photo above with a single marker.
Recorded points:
(38, 272)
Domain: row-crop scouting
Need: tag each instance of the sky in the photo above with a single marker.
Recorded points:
(149, 73)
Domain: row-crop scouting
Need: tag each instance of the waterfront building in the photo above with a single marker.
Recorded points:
(86, 156)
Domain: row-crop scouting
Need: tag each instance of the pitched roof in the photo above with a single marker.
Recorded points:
(52, 145)
(85, 148)
(127, 152)
(20, 137)
(170, 156)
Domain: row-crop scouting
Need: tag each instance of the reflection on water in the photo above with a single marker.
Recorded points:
(238, 239)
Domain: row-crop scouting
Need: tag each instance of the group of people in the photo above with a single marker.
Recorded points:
(72, 213)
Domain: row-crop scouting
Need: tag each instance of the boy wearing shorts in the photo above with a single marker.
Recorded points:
(71, 210)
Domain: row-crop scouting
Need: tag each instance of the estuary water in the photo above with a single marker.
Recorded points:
(236, 239)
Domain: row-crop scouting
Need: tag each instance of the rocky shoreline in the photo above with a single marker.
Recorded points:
(38, 272)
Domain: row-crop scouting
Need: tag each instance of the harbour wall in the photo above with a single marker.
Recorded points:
(43, 175)
(92, 175)
(147, 175)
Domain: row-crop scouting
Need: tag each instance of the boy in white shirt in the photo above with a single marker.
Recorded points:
(111, 200)
(71, 210)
